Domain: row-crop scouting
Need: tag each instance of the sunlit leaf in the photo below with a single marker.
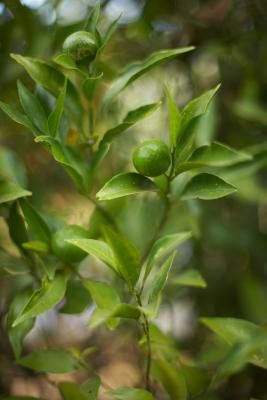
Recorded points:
(35, 222)
(130, 394)
(10, 191)
(55, 116)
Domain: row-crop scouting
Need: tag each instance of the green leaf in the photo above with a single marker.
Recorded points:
(219, 155)
(52, 80)
(93, 18)
(198, 106)
(241, 354)
(43, 299)
(108, 34)
(37, 246)
(191, 277)
(90, 85)
(162, 247)
(171, 378)
(35, 222)
(104, 295)
(135, 70)
(98, 249)
(65, 61)
(32, 108)
(131, 118)
(16, 115)
(130, 394)
(175, 118)
(86, 391)
(206, 187)
(16, 225)
(125, 184)
(77, 298)
(90, 388)
(50, 361)
(64, 155)
(122, 310)
(17, 334)
(10, 191)
(232, 330)
(158, 284)
(126, 255)
(55, 116)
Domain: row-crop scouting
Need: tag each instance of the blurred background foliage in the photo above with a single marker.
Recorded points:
(231, 40)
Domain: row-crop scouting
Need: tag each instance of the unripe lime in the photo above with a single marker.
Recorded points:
(80, 45)
(151, 158)
(65, 251)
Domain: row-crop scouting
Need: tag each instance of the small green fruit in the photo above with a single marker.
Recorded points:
(80, 45)
(65, 251)
(151, 158)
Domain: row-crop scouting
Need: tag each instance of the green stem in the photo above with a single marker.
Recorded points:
(146, 330)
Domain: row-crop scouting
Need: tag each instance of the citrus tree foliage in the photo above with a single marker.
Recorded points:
(176, 171)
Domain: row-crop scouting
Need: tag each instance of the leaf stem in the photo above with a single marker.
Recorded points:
(104, 212)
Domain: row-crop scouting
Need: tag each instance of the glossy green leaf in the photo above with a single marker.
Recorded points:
(33, 108)
(104, 295)
(198, 106)
(16, 116)
(125, 184)
(43, 299)
(171, 379)
(36, 246)
(206, 187)
(126, 255)
(51, 79)
(90, 85)
(111, 317)
(131, 118)
(175, 118)
(77, 298)
(65, 61)
(10, 191)
(232, 330)
(135, 70)
(190, 277)
(158, 283)
(17, 334)
(219, 155)
(163, 246)
(55, 116)
(35, 222)
(16, 225)
(98, 249)
(64, 155)
(130, 394)
(50, 361)
(93, 18)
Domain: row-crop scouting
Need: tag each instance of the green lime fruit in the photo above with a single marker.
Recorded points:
(151, 158)
(65, 251)
(80, 45)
